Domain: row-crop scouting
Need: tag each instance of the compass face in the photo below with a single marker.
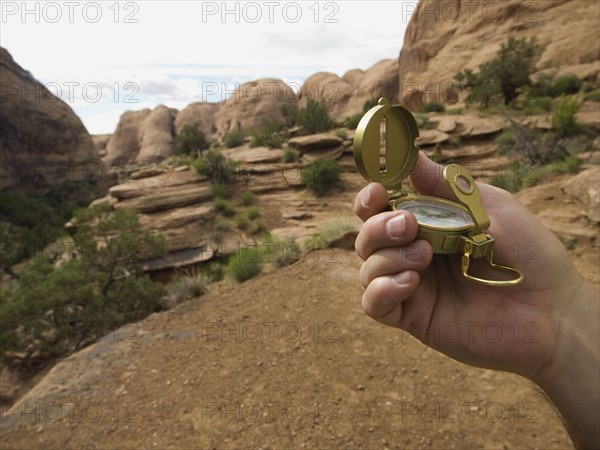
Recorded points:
(437, 214)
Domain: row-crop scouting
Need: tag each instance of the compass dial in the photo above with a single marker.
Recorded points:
(438, 214)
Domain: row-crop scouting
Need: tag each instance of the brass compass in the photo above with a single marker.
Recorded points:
(449, 226)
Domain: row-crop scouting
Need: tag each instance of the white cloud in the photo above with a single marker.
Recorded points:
(177, 48)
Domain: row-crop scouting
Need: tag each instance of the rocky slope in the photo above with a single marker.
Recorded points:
(447, 36)
(41, 138)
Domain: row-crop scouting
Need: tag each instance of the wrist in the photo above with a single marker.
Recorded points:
(570, 376)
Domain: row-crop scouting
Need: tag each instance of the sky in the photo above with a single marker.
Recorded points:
(107, 57)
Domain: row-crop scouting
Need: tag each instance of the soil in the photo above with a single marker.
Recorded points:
(285, 360)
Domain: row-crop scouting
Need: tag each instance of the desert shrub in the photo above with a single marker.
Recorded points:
(504, 76)
(506, 142)
(222, 225)
(224, 207)
(564, 120)
(241, 221)
(519, 176)
(592, 96)
(371, 103)
(213, 271)
(253, 212)
(290, 155)
(245, 264)
(433, 107)
(328, 233)
(288, 111)
(257, 227)
(454, 111)
(566, 85)
(280, 252)
(54, 309)
(219, 190)
(341, 133)
(186, 286)
(272, 134)
(352, 121)
(314, 118)
(247, 198)
(234, 138)
(216, 167)
(191, 140)
(570, 164)
(321, 176)
(537, 105)
(422, 119)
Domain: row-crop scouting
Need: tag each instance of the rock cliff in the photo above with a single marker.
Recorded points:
(42, 141)
(447, 36)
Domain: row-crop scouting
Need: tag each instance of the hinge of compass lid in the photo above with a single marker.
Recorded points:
(478, 245)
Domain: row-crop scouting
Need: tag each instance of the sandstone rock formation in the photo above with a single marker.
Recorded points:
(254, 103)
(447, 36)
(100, 142)
(41, 138)
(142, 136)
(345, 96)
(202, 113)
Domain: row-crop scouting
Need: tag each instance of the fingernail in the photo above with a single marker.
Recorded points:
(414, 253)
(403, 278)
(396, 226)
(365, 197)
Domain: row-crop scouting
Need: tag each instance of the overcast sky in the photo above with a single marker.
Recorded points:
(104, 58)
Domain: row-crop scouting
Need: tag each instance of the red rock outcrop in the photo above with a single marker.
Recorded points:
(447, 36)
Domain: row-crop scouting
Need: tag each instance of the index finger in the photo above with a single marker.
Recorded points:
(372, 200)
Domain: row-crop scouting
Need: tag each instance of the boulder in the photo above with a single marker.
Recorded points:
(585, 188)
(314, 142)
(254, 103)
(173, 197)
(124, 144)
(202, 113)
(474, 126)
(254, 155)
(100, 142)
(157, 135)
(326, 153)
(431, 137)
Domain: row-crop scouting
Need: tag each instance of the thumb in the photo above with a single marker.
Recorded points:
(428, 179)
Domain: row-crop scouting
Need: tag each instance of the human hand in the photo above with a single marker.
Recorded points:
(512, 328)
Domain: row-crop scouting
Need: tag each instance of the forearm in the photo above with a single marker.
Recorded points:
(572, 377)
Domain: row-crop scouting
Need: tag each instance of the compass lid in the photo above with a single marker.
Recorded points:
(400, 153)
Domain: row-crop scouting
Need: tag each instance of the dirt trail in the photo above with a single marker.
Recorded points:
(286, 360)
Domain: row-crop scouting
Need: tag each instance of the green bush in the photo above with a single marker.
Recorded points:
(258, 227)
(587, 86)
(54, 309)
(506, 142)
(314, 118)
(566, 85)
(234, 138)
(592, 96)
(224, 207)
(504, 76)
(521, 175)
(247, 198)
(288, 111)
(191, 140)
(538, 105)
(422, 120)
(564, 120)
(241, 221)
(216, 167)
(433, 107)
(371, 103)
(219, 190)
(353, 121)
(253, 212)
(321, 176)
(245, 264)
(272, 134)
(454, 111)
(290, 155)
(570, 164)
(222, 225)
(341, 133)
